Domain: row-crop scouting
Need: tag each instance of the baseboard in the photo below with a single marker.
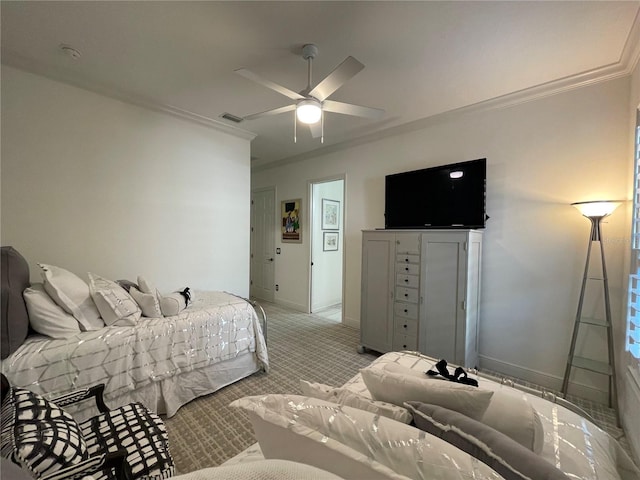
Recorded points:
(545, 380)
(351, 322)
(293, 306)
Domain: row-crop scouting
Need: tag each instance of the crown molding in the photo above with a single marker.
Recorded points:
(56, 74)
(625, 66)
(563, 85)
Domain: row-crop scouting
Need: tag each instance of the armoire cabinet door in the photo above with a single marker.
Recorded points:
(378, 278)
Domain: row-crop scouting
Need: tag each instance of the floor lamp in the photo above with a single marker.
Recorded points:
(595, 211)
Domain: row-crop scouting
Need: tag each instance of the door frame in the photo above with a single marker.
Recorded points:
(312, 214)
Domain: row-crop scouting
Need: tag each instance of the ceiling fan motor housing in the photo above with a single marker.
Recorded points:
(309, 51)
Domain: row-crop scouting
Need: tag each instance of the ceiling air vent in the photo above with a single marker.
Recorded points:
(231, 117)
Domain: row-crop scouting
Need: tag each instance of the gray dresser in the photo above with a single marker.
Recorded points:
(421, 291)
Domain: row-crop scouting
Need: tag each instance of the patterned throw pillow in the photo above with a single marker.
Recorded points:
(115, 305)
(38, 435)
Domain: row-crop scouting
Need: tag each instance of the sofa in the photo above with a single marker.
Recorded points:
(392, 421)
(163, 351)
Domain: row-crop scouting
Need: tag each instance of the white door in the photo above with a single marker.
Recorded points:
(263, 227)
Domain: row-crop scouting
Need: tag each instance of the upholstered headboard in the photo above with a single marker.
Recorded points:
(15, 319)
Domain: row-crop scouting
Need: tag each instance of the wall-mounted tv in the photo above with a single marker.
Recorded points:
(447, 196)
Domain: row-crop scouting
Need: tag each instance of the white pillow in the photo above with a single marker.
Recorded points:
(171, 304)
(374, 439)
(398, 388)
(150, 292)
(516, 418)
(148, 303)
(72, 294)
(343, 396)
(115, 305)
(45, 316)
(259, 470)
(511, 415)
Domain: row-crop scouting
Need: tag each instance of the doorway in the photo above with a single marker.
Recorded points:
(327, 252)
(262, 249)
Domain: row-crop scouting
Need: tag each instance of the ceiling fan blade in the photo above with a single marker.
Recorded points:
(268, 83)
(351, 109)
(316, 129)
(340, 75)
(268, 113)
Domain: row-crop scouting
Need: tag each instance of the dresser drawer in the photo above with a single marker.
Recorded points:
(407, 294)
(404, 342)
(408, 268)
(408, 258)
(408, 242)
(407, 280)
(406, 310)
(406, 326)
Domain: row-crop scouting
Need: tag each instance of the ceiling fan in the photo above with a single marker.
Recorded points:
(311, 103)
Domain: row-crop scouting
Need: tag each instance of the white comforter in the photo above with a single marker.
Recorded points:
(216, 327)
(572, 443)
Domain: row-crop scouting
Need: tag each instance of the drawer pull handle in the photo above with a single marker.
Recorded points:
(406, 280)
(406, 294)
(404, 346)
(406, 269)
(405, 311)
(405, 325)
(406, 259)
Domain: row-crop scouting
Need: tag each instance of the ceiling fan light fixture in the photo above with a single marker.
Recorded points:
(309, 111)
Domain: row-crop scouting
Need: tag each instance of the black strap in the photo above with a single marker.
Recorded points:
(187, 296)
(459, 376)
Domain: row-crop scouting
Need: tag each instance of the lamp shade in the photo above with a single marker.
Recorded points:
(308, 111)
(597, 208)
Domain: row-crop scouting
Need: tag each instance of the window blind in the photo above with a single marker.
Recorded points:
(633, 303)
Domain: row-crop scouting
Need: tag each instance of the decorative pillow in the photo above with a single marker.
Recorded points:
(509, 414)
(171, 304)
(285, 423)
(147, 302)
(343, 396)
(38, 435)
(145, 286)
(72, 294)
(516, 418)
(501, 453)
(398, 388)
(149, 289)
(114, 304)
(260, 470)
(126, 284)
(46, 317)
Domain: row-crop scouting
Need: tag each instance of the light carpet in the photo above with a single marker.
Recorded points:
(206, 432)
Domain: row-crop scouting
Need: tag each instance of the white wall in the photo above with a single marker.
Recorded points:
(93, 184)
(326, 277)
(542, 155)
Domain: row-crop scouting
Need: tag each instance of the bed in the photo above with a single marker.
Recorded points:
(367, 440)
(161, 362)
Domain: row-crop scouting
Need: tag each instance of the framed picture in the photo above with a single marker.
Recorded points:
(330, 214)
(330, 241)
(291, 226)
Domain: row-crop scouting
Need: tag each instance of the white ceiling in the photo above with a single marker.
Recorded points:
(422, 58)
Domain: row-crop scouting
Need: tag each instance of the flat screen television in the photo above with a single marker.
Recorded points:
(447, 196)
